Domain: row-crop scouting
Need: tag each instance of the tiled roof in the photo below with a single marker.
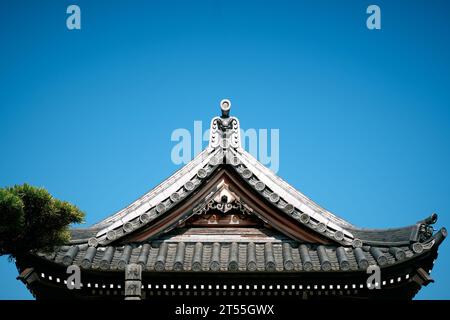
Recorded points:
(344, 235)
(225, 143)
(273, 256)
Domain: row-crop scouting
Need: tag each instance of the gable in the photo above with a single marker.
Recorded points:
(226, 200)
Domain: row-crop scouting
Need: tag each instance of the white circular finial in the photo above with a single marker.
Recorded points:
(225, 105)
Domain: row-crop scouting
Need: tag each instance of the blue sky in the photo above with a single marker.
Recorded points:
(364, 116)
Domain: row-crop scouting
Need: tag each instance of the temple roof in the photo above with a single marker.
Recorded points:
(225, 152)
(224, 212)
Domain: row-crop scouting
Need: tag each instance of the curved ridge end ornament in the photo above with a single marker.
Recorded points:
(225, 131)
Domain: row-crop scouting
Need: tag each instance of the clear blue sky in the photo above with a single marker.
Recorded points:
(364, 116)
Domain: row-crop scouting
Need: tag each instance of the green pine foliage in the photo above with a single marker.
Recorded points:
(31, 219)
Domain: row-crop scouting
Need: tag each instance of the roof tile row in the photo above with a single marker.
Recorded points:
(232, 256)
